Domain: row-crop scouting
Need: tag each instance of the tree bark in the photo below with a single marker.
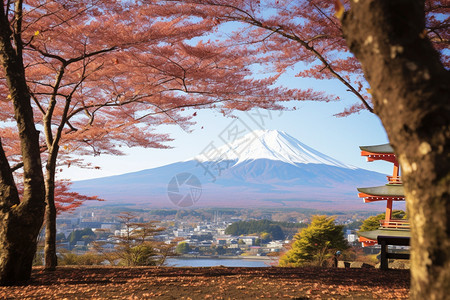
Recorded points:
(20, 219)
(19, 229)
(50, 258)
(411, 93)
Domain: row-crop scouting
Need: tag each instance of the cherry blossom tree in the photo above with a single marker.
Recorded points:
(90, 77)
(301, 36)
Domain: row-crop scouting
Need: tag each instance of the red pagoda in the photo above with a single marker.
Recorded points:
(392, 191)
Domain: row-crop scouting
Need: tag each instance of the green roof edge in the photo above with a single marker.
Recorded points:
(373, 235)
(388, 190)
(384, 148)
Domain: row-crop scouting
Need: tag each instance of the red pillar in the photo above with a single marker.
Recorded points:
(395, 179)
(388, 211)
(396, 172)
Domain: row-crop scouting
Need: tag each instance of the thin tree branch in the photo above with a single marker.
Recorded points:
(248, 18)
(49, 114)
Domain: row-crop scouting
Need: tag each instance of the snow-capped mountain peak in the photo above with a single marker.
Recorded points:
(269, 144)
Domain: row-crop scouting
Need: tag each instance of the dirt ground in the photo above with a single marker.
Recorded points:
(211, 283)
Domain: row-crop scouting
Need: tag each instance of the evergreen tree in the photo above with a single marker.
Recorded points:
(182, 248)
(274, 229)
(316, 243)
(81, 234)
(373, 223)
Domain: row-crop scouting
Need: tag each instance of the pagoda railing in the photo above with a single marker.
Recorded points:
(395, 180)
(395, 224)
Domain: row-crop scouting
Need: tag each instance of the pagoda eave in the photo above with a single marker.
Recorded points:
(379, 156)
(380, 149)
(367, 242)
(388, 190)
(379, 152)
(372, 198)
(373, 234)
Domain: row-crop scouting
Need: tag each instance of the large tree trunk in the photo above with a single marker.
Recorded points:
(411, 92)
(17, 250)
(20, 221)
(19, 229)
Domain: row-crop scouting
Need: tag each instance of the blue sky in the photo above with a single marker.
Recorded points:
(312, 123)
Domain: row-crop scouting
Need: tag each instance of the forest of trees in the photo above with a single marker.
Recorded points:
(77, 235)
(275, 230)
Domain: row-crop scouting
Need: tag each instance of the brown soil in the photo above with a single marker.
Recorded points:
(211, 283)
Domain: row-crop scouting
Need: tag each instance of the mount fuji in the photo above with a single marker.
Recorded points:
(265, 168)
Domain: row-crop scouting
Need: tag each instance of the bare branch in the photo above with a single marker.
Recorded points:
(36, 101)
(72, 60)
(16, 167)
(49, 114)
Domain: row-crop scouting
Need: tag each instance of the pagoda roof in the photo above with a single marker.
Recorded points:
(388, 190)
(373, 235)
(385, 148)
(379, 152)
(392, 192)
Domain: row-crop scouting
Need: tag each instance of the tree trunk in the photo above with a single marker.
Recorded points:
(50, 257)
(20, 220)
(18, 233)
(17, 250)
(411, 92)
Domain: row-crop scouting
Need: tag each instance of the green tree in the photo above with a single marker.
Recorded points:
(136, 245)
(85, 234)
(183, 248)
(373, 222)
(87, 259)
(60, 237)
(316, 243)
(220, 250)
(266, 237)
(256, 227)
(140, 255)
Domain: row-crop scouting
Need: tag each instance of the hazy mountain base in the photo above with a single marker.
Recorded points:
(192, 214)
(259, 183)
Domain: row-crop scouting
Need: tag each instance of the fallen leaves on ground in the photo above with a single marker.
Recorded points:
(211, 283)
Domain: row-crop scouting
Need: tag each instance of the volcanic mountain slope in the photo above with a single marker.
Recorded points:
(261, 169)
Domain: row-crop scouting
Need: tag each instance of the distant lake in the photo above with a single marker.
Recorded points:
(212, 262)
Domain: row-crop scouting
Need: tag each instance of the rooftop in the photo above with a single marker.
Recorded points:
(385, 148)
(388, 190)
(373, 235)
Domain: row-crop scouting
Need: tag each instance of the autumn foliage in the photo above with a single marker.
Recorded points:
(102, 75)
(213, 283)
(303, 39)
